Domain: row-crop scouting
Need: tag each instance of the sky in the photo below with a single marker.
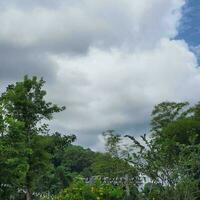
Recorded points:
(189, 29)
(108, 61)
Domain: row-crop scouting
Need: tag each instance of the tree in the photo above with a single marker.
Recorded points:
(57, 177)
(13, 163)
(107, 166)
(76, 159)
(165, 113)
(169, 158)
(112, 142)
(24, 111)
(69, 162)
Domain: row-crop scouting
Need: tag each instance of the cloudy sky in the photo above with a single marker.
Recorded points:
(108, 61)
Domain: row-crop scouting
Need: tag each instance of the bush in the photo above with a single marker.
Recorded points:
(79, 190)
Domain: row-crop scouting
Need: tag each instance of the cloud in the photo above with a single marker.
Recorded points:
(108, 61)
(196, 50)
(15, 62)
(75, 27)
(106, 90)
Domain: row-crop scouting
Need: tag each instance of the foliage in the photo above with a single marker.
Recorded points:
(106, 166)
(13, 163)
(78, 190)
(170, 158)
(76, 159)
(33, 160)
(165, 113)
(24, 156)
(112, 142)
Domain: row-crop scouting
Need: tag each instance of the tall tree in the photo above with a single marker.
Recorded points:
(112, 142)
(24, 103)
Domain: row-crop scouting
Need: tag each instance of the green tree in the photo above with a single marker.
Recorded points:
(58, 177)
(165, 113)
(13, 163)
(112, 142)
(78, 160)
(68, 162)
(107, 166)
(24, 104)
(169, 158)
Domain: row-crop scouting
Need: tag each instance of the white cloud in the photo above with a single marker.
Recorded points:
(124, 59)
(116, 89)
(77, 26)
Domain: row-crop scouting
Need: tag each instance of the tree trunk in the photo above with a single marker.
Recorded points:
(127, 185)
(28, 194)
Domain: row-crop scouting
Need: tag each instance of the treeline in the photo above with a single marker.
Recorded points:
(163, 165)
(35, 161)
(167, 159)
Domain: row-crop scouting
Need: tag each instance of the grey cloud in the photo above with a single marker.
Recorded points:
(15, 62)
(30, 4)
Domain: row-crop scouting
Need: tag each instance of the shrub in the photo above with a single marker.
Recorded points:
(79, 190)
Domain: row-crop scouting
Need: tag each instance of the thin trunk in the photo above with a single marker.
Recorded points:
(127, 185)
(28, 194)
(28, 180)
(28, 187)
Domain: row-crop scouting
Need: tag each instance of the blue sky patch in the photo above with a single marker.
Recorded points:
(189, 29)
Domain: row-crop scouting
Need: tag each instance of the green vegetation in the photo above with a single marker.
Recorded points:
(163, 165)
(96, 191)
